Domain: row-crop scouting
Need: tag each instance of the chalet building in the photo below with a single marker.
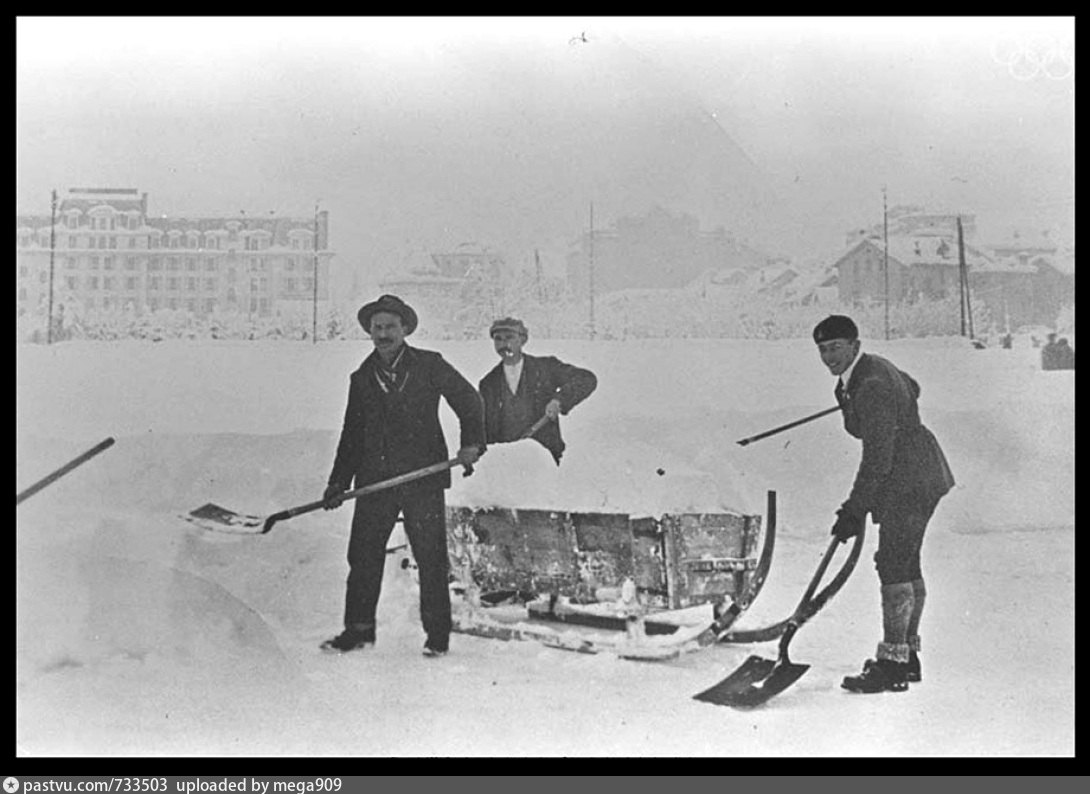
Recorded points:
(110, 254)
(658, 250)
(451, 288)
(927, 267)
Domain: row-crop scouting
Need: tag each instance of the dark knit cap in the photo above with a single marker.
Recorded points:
(509, 324)
(835, 326)
(391, 304)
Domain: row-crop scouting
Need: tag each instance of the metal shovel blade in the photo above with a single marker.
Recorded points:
(220, 519)
(755, 682)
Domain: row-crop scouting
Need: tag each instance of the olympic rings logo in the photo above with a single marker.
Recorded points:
(1036, 55)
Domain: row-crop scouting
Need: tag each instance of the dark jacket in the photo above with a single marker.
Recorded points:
(387, 434)
(902, 465)
(543, 379)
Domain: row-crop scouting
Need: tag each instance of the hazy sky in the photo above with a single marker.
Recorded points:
(419, 134)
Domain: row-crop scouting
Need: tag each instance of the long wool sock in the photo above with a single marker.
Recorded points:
(919, 595)
(897, 607)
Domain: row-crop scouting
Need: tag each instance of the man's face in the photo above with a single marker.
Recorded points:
(387, 332)
(508, 345)
(838, 354)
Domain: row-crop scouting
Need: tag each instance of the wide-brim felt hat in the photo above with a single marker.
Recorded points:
(391, 304)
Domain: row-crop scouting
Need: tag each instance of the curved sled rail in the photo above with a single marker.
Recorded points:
(806, 610)
(764, 563)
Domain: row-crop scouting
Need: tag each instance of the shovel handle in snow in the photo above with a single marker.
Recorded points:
(788, 426)
(374, 487)
(63, 470)
(540, 423)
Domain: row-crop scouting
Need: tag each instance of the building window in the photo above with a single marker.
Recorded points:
(130, 263)
(90, 242)
(70, 262)
(94, 263)
(113, 241)
(308, 284)
(107, 263)
(73, 241)
(295, 243)
(210, 265)
(231, 296)
(153, 304)
(172, 283)
(190, 263)
(130, 283)
(289, 285)
(89, 303)
(191, 284)
(154, 282)
(43, 277)
(210, 285)
(92, 282)
(154, 263)
(173, 242)
(264, 306)
(132, 242)
(108, 282)
(172, 263)
(153, 241)
(71, 221)
(70, 282)
(107, 303)
(172, 303)
(210, 305)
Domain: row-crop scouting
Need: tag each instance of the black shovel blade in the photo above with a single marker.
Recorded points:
(752, 684)
(220, 519)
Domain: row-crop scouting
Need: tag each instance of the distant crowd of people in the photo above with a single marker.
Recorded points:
(1057, 354)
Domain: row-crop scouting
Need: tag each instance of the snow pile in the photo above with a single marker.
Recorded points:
(623, 477)
(138, 633)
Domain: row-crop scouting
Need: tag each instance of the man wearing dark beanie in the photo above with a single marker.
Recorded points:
(901, 478)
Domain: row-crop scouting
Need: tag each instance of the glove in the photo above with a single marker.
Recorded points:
(847, 525)
(330, 497)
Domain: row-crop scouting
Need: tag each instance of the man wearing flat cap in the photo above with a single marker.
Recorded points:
(901, 478)
(391, 427)
(523, 389)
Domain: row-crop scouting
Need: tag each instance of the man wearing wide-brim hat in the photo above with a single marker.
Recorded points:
(523, 389)
(391, 427)
(901, 477)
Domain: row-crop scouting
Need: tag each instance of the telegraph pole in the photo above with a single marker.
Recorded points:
(52, 249)
(592, 270)
(963, 268)
(314, 326)
(885, 237)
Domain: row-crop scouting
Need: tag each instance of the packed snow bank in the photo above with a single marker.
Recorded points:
(623, 476)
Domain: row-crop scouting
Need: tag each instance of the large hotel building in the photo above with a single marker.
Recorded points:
(109, 254)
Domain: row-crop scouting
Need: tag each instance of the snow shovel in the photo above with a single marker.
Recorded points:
(214, 517)
(742, 442)
(63, 470)
(540, 423)
(760, 679)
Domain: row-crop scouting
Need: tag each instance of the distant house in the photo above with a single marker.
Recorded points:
(658, 250)
(926, 267)
(445, 289)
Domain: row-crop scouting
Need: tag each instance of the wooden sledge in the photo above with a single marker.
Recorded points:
(640, 588)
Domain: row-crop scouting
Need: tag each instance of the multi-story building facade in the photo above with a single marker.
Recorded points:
(109, 254)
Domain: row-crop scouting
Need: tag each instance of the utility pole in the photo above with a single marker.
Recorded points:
(964, 268)
(885, 237)
(52, 249)
(592, 270)
(961, 278)
(537, 275)
(314, 325)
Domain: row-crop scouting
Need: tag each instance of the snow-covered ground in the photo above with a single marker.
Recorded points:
(140, 634)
